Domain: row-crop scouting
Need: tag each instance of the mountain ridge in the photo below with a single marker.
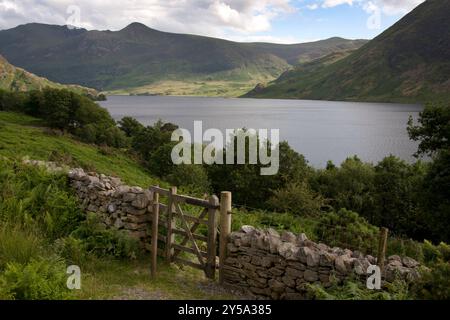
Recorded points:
(409, 62)
(137, 56)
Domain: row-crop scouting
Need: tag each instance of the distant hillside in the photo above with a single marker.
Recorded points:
(138, 56)
(17, 79)
(409, 62)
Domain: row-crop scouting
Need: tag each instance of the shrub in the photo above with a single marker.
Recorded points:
(18, 245)
(434, 285)
(130, 126)
(147, 140)
(88, 133)
(405, 247)
(72, 250)
(32, 196)
(160, 161)
(435, 254)
(99, 240)
(113, 137)
(354, 289)
(251, 188)
(298, 199)
(194, 177)
(40, 279)
(348, 230)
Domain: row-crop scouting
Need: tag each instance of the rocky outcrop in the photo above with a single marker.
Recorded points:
(273, 266)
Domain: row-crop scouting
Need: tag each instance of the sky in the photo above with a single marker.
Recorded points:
(280, 21)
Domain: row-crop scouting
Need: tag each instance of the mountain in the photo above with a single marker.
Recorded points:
(17, 79)
(409, 62)
(138, 56)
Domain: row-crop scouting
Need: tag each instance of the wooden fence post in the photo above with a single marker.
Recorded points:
(212, 236)
(170, 238)
(382, 248)
(225, 230)
(154, 239)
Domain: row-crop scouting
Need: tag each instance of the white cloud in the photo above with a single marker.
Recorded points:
(313, 6)
(206, 17)
(334, 3)
(389, 7)
(268, 38)
(393, 7)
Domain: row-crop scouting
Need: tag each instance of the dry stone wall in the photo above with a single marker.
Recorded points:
(273, 266)
(120, 207)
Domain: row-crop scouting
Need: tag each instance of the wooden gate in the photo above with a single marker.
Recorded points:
(183, 236)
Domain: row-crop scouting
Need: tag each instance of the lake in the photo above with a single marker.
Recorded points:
(320, 130)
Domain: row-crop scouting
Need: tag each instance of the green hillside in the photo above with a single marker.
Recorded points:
(43, 230)
(24, 136)
(141, 57)
(409, 62)
(17, 79)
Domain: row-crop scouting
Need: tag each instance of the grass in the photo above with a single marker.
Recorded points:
(213, 88)
(24, 136)
(18, 245)
(121, 280)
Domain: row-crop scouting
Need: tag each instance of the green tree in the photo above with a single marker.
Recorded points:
(149, 139)
(297, 198)
(193, 177)
(433, 130)
(433, 134)
(57, 108)
(349, 186)
(130, 126)
(397, 192)
(251, 188)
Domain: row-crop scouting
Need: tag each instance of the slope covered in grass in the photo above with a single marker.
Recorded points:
(18, 79)
(409, 62)
(21, 136)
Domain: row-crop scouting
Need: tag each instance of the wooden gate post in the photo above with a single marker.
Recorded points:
(382, 248)
(212, 236)
(154, 239)
(225, 230)
(170, 238)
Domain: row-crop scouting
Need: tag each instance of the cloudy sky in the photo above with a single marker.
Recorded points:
(285, 21)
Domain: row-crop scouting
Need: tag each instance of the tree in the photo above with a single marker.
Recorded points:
(149, 139)
(437, 197)
(297, 198)
(160, 161)
(350, 186)
(130, 126)
(433, 134)
(57, 108)
(433, 131)
(193, 177)
(397, 187)
(251, 188)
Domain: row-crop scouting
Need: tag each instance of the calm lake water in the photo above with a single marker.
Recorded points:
(320, 130)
